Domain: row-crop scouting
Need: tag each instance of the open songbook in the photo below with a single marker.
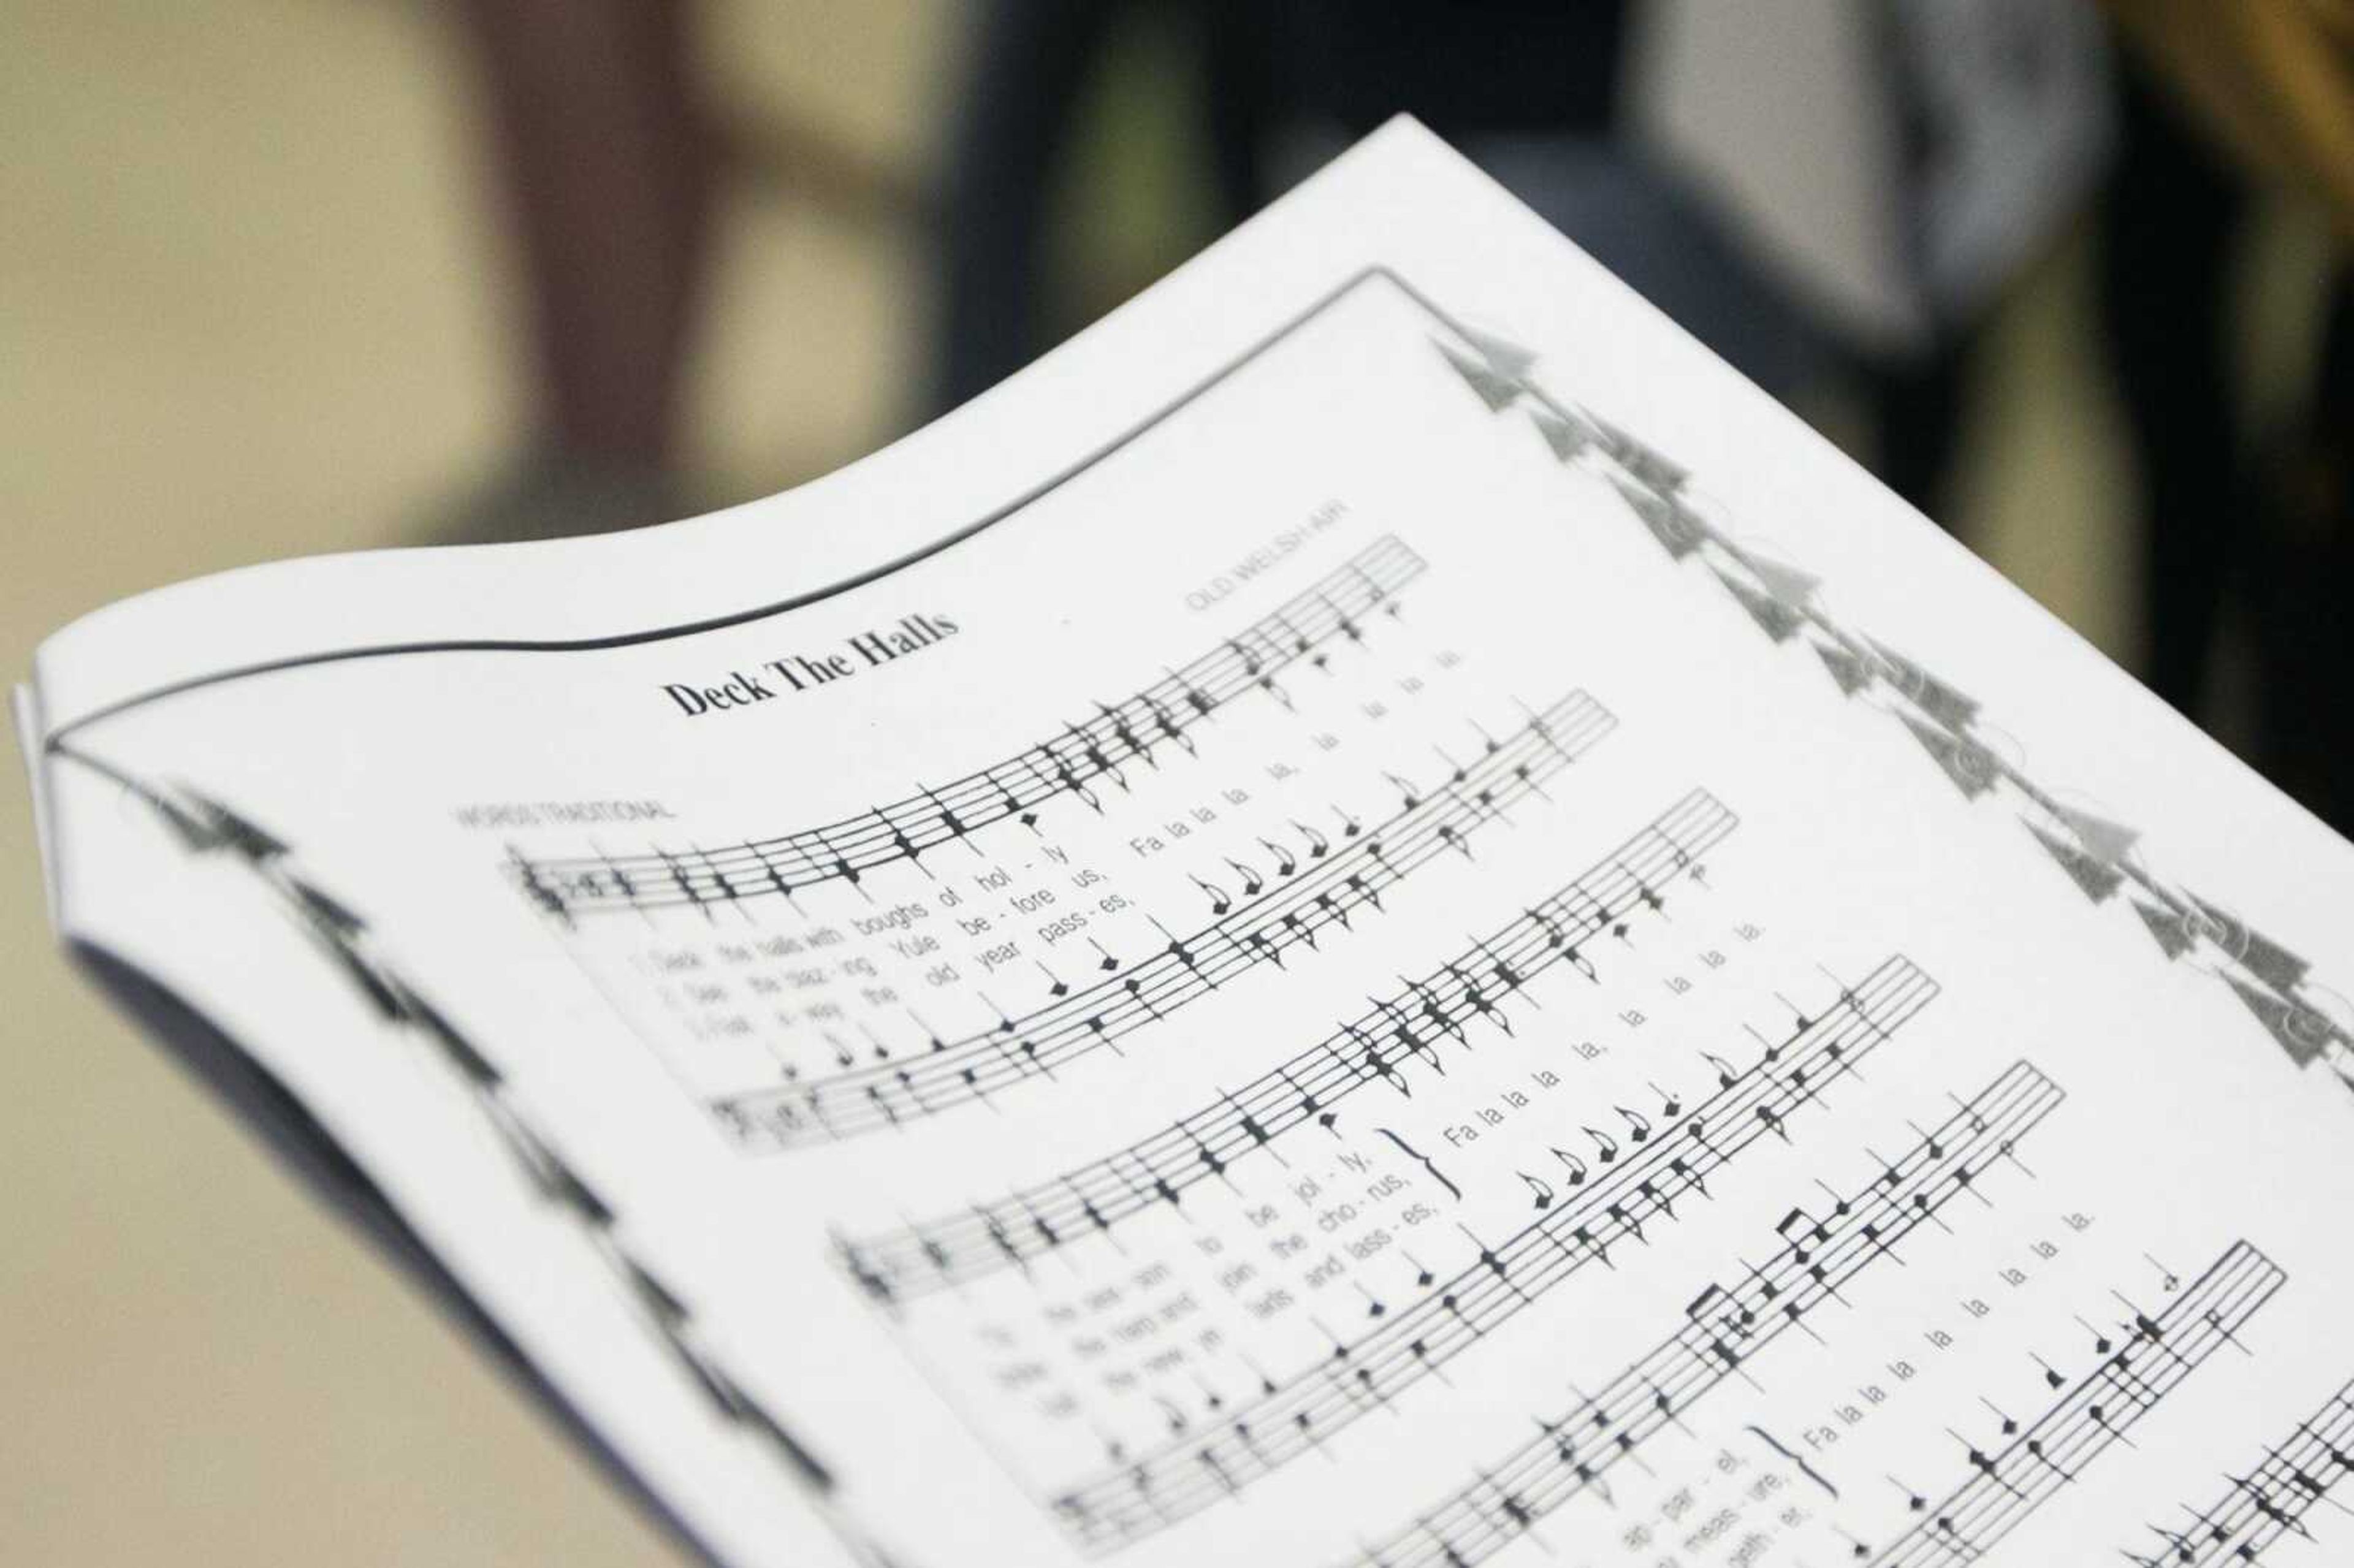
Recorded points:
(1375, 917)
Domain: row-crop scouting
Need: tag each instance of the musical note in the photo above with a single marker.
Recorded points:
(1284, 861)
(1454, 1314)
(1263, 666)
(2274, 1497)
(2098, 1411)
(1713, 1341)
(1070, 779)
(1261, 924)
(1014, 789)
(1807, 1228)
(1125, 733)
(1401, 1030)
(900, 842)
(1696, 1307)
(1375, 1048)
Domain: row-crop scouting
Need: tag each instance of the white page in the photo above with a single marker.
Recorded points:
(1682, 1082)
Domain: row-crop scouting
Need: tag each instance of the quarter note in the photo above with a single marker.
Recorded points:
(1201, 702)
(902, 842)
(1092, 750)
(1070, 781)
(1166, 723)
(1219, 901)
(952, 822)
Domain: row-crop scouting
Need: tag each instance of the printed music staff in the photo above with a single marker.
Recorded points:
(1724, 1329)
(1404, 1029)
(1068, 764)
(2269, 1499)
(1449, 1316)
(2150, 1359)
(1286, 914)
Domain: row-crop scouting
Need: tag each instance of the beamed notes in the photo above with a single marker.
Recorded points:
(1604, 1205)
(1378, 919)
(1410, 1032)
(1073, 764)
(1306, 897)
(1731, 1324)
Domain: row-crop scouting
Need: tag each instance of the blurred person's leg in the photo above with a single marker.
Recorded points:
(1237, 76)
(2305, 634)
(1531, 90)
(606, 166)
(1663, 240)
(1999, 122)
(2167, 236)
(1915, 408)
(1029, 61)
(1506, 74)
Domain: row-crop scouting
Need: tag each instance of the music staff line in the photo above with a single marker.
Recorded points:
(2252, 1515)
(1070, 763)
(1725, 1327)
(2006, 1487)
(1318, 890)
(1665, 1165)
(1406, 1026)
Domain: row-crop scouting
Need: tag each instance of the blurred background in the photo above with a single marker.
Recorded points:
(289, 276)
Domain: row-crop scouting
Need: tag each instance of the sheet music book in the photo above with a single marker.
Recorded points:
(1377, 917)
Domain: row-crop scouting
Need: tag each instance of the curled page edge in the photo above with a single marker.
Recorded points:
(1049, 419)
